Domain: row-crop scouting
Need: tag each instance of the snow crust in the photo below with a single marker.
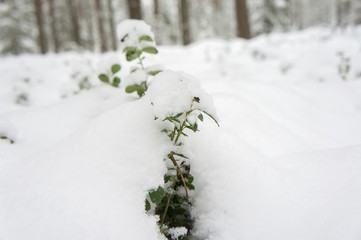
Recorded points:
(285, 163)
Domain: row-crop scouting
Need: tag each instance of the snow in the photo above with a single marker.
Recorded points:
(137, 77)
(173, 92)
(129, 31)
(285, 163)
(7, 129)
(178, 232)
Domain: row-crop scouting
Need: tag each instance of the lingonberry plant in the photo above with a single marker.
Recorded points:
(137, 39)
(180, 104)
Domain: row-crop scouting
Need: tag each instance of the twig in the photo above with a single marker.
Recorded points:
(180, 172)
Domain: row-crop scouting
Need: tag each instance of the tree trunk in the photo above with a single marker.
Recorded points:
(40, 22)
(156, 7)
(54, 32)
(357, 12)
(72, 4)
(111, 25)
(99, 13)
(134, 8)
(157, 21)
(185, 26)
(243, 29)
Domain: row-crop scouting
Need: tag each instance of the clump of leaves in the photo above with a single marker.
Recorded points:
(110, 77)
(344, 66)
(172, 202)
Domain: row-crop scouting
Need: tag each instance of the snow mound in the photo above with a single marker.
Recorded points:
(92, 185)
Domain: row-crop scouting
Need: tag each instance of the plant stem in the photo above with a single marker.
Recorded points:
(140, 62)
(180, 131)
(180, 172)
(169, 198)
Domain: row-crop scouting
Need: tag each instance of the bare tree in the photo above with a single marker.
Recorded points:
(243, 29)
(101, 33)
(156, 7)
(185, 26)
(40, 21)
(157, 20)
(72, 5)
(135, 9)
(53, 28)
(111, 25)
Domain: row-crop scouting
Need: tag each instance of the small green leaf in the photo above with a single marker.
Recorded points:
(195, 127)
(131, 53)
(147, 205)
(209, 115)
(200, 117)
(153, 73)
(145, 38)
(116, 81)
(133, 88)
(190, 179)
(171, 119)
(151, 50)
(178, 115)
(115, 68)
(104, 78)
(167, 178)
(134, 70)
(157, 195)
(127, 49)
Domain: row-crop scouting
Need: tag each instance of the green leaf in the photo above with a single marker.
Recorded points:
(171, 119)
(157, 195)
(190, 179)
(116, 82)
(145, 38)
(195, 127)
(167, 178)
(115, 68)
(131, 53)
(200, 117)
(178, 115)
(153, 73)
(104, 78)
(209, 115)
(151, 50)
(135, 87)
(147, 205)
(134, 70)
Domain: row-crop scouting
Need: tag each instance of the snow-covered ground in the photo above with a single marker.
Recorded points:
(285, 163)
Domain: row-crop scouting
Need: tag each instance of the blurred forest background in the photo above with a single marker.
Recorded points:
(41, 26)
